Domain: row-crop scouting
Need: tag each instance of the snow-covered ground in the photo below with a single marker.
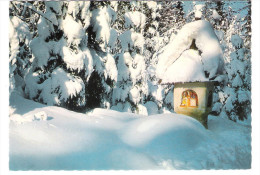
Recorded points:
(52, 138)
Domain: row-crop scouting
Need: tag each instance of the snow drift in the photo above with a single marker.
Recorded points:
(52, 138)
(207, 43)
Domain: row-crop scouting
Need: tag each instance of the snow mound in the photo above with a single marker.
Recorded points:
(182, 131)
(110, 140)
(41, 116)
(19, 119)
(205, 40)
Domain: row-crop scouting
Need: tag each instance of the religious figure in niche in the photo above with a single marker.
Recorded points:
(189, 99)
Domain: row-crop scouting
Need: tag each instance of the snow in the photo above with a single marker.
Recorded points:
(113, 38)
(122, 107)
(156, 91)
(88, 63)
(43, 31)
(241, 53)
(73, 61)
(236, 41)
(98, 65)
(243, 96)
(74, 8)
(134, 95)
(229, 104)
(205, 40)
(142, 110)
(40, 51)
(120, 94)
(186, 68)
(237, 82)
(41, 115)
(123, 73)
(217, 107)
(28, 118)
(73, 30)
(52, 19)
(237, 66)
(18, 29)
(199, 10)
(135, 19)
(151, 107)
(220, 35)
(77, 60)
(169, 98)
(215, 15)
(131, 39)
(110, 68)
(105, 139)
(18, 33)
(101, 21)
(55, 6)
(61, 86)
(151, 4)
(32, 79)
(137, 68)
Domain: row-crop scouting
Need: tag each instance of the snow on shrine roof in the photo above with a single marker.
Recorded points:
(179, 63)
(209, 81)
(186, 68)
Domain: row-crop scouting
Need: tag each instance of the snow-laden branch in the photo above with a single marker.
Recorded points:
(24, 8)
(30, 6)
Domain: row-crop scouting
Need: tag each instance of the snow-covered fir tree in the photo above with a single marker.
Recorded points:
(236, 96)
(101, 40)
(131, 89)
(233, 98)
(51, 79)
(19, 52)
(87, 54)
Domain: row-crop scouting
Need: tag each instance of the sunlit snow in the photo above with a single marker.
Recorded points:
(53, 138)
(206, 41)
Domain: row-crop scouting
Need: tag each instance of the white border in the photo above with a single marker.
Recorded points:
(255, 86)
(4, 95)
(4, 72)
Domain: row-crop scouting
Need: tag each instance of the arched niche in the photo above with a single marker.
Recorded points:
(189, 98)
